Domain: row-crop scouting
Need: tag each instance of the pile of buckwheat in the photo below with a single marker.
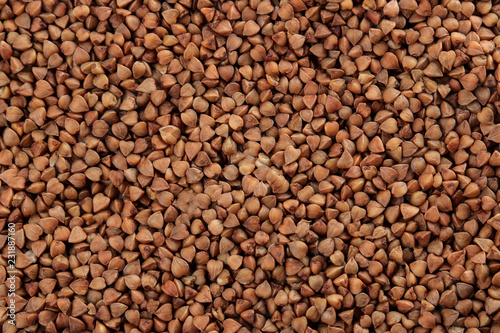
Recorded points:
(249, 166)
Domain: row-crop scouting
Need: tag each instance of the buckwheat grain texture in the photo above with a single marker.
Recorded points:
(250, 166)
